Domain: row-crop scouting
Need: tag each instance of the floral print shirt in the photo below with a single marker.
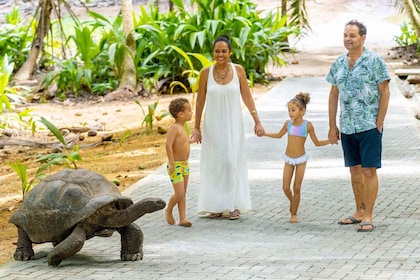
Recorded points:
(358, 90)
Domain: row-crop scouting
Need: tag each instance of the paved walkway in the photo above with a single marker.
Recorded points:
(262, 245)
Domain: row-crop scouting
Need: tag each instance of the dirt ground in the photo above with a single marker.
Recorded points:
(128, 160)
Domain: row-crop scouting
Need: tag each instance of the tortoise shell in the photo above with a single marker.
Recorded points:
(58, 203)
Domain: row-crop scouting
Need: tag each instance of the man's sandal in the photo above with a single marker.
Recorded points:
(363, 225)
(351, 221)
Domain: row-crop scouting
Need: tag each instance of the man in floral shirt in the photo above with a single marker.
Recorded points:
(360, 81)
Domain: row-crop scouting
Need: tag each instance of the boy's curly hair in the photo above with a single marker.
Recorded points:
(177, 105)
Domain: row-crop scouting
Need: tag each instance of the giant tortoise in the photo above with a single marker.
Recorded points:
(72, 206)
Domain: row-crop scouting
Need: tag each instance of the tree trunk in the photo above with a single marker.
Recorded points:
(413, 15)
(283, 7)
(283, 13)
(42, 29)
(128, 78)
(128, 81)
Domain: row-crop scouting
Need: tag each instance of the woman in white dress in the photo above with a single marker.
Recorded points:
(224, 187)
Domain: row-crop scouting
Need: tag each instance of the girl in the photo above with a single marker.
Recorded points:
(295, 158)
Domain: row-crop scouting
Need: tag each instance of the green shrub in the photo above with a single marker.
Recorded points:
(10, 96)
(256, 39)
(172, 46)
(16, 38)
(408, 36)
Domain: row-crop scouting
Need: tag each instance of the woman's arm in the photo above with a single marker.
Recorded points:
(199, 106)
(248, 100)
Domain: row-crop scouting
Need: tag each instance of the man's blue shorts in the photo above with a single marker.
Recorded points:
(364, 148)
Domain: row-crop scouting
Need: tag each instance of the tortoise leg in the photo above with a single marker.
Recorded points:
(68, 247)
(24, 251)
(131, 243)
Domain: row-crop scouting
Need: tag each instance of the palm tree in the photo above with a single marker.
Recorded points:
(412, 9)
(42, 14)
(298, 15)
(128, 80)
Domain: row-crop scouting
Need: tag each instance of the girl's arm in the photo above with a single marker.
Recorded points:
(279, 134)
(311, 132)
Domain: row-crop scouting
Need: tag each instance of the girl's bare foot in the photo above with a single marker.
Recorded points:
(185, 223)
(169, 218)
(293, 219)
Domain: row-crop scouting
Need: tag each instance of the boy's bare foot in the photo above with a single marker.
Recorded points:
(185, 223)
(293, 219)
(169, 218)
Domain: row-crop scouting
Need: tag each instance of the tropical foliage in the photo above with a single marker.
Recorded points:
(67, 159)
(9, 97)
(411, 31)
(408, 36)
(171, 46)
(256, 38)
(16, 38)
(96, 64)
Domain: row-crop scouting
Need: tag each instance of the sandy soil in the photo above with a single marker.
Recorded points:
(139, 154)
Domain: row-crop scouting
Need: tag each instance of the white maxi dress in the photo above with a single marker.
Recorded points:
(224, 184)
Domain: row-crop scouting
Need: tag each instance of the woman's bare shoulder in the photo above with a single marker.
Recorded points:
(205, 69)
(238, 67)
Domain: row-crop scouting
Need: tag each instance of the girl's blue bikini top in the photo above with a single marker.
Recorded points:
(300, 130)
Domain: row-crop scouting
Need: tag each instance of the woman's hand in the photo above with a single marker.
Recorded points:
(259, 130)
(196, 135)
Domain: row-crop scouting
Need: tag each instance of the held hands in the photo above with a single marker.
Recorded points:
(196, 136)
(259, 130)
(334, 135)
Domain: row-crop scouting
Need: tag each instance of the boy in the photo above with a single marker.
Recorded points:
(178, 150)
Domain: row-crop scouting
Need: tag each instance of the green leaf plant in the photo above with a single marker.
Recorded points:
(408, 36)
(21, 171)
(68, 159)
(124, 137)
(5, 73)
(148, 118)
(10, 96)
(151, 115)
